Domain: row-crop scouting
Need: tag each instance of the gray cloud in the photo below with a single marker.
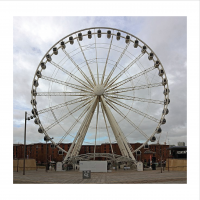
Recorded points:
(167, 36)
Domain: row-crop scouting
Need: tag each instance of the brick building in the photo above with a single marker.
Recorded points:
(38, 151)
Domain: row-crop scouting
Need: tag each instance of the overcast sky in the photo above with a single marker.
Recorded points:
(167, 37)
(28, 39)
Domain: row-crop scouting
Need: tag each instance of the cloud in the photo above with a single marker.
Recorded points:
(34, 36)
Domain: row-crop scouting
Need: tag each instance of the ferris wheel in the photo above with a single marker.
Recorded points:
(100, 85)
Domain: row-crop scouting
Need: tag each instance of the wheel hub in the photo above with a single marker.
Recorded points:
(99, 90)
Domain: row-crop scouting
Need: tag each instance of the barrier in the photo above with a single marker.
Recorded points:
(30, 164)
(176, 164)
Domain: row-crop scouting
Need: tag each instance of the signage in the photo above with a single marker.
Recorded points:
(139, 166)
(181, 152)
(87, 174)
(59, 166)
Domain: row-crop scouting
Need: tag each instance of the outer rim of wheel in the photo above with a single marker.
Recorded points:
(102, 28)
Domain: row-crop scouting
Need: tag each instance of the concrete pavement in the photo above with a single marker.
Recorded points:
(115, 177)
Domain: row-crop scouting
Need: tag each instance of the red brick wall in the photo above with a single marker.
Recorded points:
(38, 151)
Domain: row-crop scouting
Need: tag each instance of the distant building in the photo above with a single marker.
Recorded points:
(178, 152)
(181, 144)
(38, 151)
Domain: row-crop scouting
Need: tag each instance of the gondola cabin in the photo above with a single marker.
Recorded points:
(118, 35)
(89, 34)
(80, 36)
(136, 43)
(48, 57)
(55, 51)
(108, 34)
(62, 44)
(71, 40)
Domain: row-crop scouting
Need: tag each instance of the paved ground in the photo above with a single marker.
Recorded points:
(114, 177)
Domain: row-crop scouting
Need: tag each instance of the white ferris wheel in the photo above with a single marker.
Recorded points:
(100, 85)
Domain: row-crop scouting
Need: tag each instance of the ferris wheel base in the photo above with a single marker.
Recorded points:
(110, 158)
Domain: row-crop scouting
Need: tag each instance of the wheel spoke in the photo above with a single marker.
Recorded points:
(135, 98)
(96, 126)
(64, 94)
(78, 87)
(64, 104)
(78, 140)
(130, 78)
(102, 79)
(107, 130)
(67, 115)
(126, 118)
(133, 109)
(113, 69)
(87, 63)
(96, 60)
(124, 146)
(124, 70)
(71, 75)
(80, 70)
(58, 123)
(77, 120)
(84, 131)
(69, 153)
(127, 89)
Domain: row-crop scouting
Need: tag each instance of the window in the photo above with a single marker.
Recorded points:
(60, 153)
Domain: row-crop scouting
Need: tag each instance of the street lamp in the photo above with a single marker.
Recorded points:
(47, 139)
(26, 118)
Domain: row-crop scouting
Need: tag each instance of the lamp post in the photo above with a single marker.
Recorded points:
(26, 118)
(47, 139)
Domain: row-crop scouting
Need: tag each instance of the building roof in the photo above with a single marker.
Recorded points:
(149, 152)
(178, 148)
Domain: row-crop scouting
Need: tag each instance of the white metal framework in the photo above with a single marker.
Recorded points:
(102, 82)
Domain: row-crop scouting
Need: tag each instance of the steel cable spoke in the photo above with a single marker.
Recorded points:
(87, 63)
(65, 94)
(80, 70)
(113, 69)
(78, 87)
(135, 98)
(127, 89)
(102, 79)
(64, 104)
(133, 109)
(130, 78)
(71, 75)
(124, 70)
(126, 118)
(58, 123)
(67, 115)
(74, 124)
(96, 60)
